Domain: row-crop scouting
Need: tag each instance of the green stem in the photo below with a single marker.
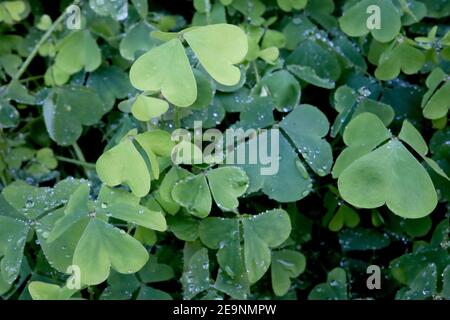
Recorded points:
(78, 152)
(176, 118)
(255, 68)
(208, 11)
(3, 179)
(84, 164)
(33, 78)
(35, 50)
(82, 159)
(37, 46)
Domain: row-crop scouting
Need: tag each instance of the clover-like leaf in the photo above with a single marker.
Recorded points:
(388, 175)
(145, 108)
(226, 184)
(285, 180)
(360, 239)
(335, 288)
(308, 74)
(13, 11)
(166, 68)
(125, 164)
(350, 103)
(357, 17)
(286, 264)
(219, 47)
(260, 233)
(282, 87)
(289, 5)
(361, 137)
(317, 64)
(116, 9)
(402, 57)
(306, 126)
(67, 109)
(193, 193)
(196, 276)
(125, 286)
(435, 102)
(24, 208)
(13, 235)
(103, 246)
(9, 116)
(137, 40)
(110, 83)
(77, 51)
(345, 215)
(46, 291)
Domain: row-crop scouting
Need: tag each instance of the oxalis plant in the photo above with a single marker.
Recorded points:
(119, 181)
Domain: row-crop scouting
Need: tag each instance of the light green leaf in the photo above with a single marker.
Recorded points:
(193, 193)
(219, 47)
(77, 51)
(47, 291)
(362, 135)
(166, 68)
(124, 164)
(145, 108)
(77, 208)
(289, 5)
(403, 57)
(137, 214)
(435, 102)
(227, 184)
(103, 246)
(413, 138)
(389, 175)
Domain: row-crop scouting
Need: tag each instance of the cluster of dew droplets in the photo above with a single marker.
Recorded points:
(191, 276)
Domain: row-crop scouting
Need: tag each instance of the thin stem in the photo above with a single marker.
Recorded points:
(255, 68)
(78, 152)
(208, 11)
(82, 159)
(177, 117)
(37, 46)
(32, 78)
(84, 164)
(3, 179)
(35, 50)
